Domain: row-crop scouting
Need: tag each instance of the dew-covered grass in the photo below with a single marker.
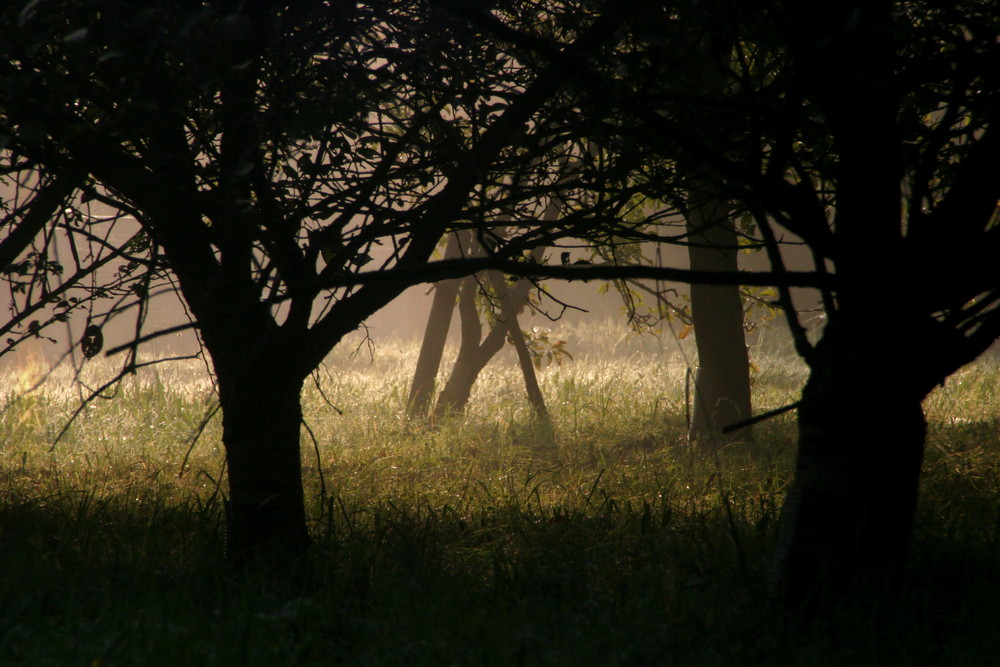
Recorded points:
(602, 538)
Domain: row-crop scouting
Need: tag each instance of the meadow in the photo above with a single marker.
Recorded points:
(490, 539)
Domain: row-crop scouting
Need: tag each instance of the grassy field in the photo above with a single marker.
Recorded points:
(491, 540)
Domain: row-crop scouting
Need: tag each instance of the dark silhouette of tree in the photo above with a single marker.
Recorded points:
(271, 151)
(865, 129)
(868, 132)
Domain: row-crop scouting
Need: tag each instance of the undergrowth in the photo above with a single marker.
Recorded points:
(605, 539)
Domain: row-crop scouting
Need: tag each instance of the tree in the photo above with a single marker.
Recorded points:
(270, 151)
(475, 352)
(912, 191)
(722, 383)
(435, 337)
(865, 131)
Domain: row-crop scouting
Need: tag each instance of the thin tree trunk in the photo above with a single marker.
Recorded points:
(512, 301)
(435, 336)
(722, 382)
(473, 354)
(535, 397)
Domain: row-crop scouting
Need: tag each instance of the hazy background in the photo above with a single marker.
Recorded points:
(404, 318)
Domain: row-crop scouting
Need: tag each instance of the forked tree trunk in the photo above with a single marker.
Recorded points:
(847, 520)
(473, 354)
(722, 382)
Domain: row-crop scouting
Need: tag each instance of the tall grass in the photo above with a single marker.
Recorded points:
(490, 539)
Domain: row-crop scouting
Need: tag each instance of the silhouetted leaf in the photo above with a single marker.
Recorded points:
(92, 342)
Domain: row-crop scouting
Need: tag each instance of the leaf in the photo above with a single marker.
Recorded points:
(684, 332)
(92, 342)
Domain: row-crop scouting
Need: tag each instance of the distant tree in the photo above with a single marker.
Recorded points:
(506, 303)
(722, 382)
(435, 337)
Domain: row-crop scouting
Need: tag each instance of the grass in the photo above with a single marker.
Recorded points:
(487, 541)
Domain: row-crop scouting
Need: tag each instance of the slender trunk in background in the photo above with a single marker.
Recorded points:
(535, 397)
(435, 336)
(722, 382)
(512, 302)
(473, 353)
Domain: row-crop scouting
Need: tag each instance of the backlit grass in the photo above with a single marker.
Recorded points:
(487, 540)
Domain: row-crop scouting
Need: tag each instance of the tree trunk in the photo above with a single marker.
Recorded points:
(722, 383)
(262, 414)
(848, 516)
(535, 396)
(435, 336)
(473, 354)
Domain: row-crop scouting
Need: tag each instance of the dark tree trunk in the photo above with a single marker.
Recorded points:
(261, 420)
(848, 516)
(722, 383)
(435, 336)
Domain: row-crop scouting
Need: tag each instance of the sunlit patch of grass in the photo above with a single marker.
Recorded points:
(490, 538)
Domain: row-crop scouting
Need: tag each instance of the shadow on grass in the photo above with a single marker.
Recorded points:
(127, 581)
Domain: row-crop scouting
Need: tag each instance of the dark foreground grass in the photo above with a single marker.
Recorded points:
(489, 541)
